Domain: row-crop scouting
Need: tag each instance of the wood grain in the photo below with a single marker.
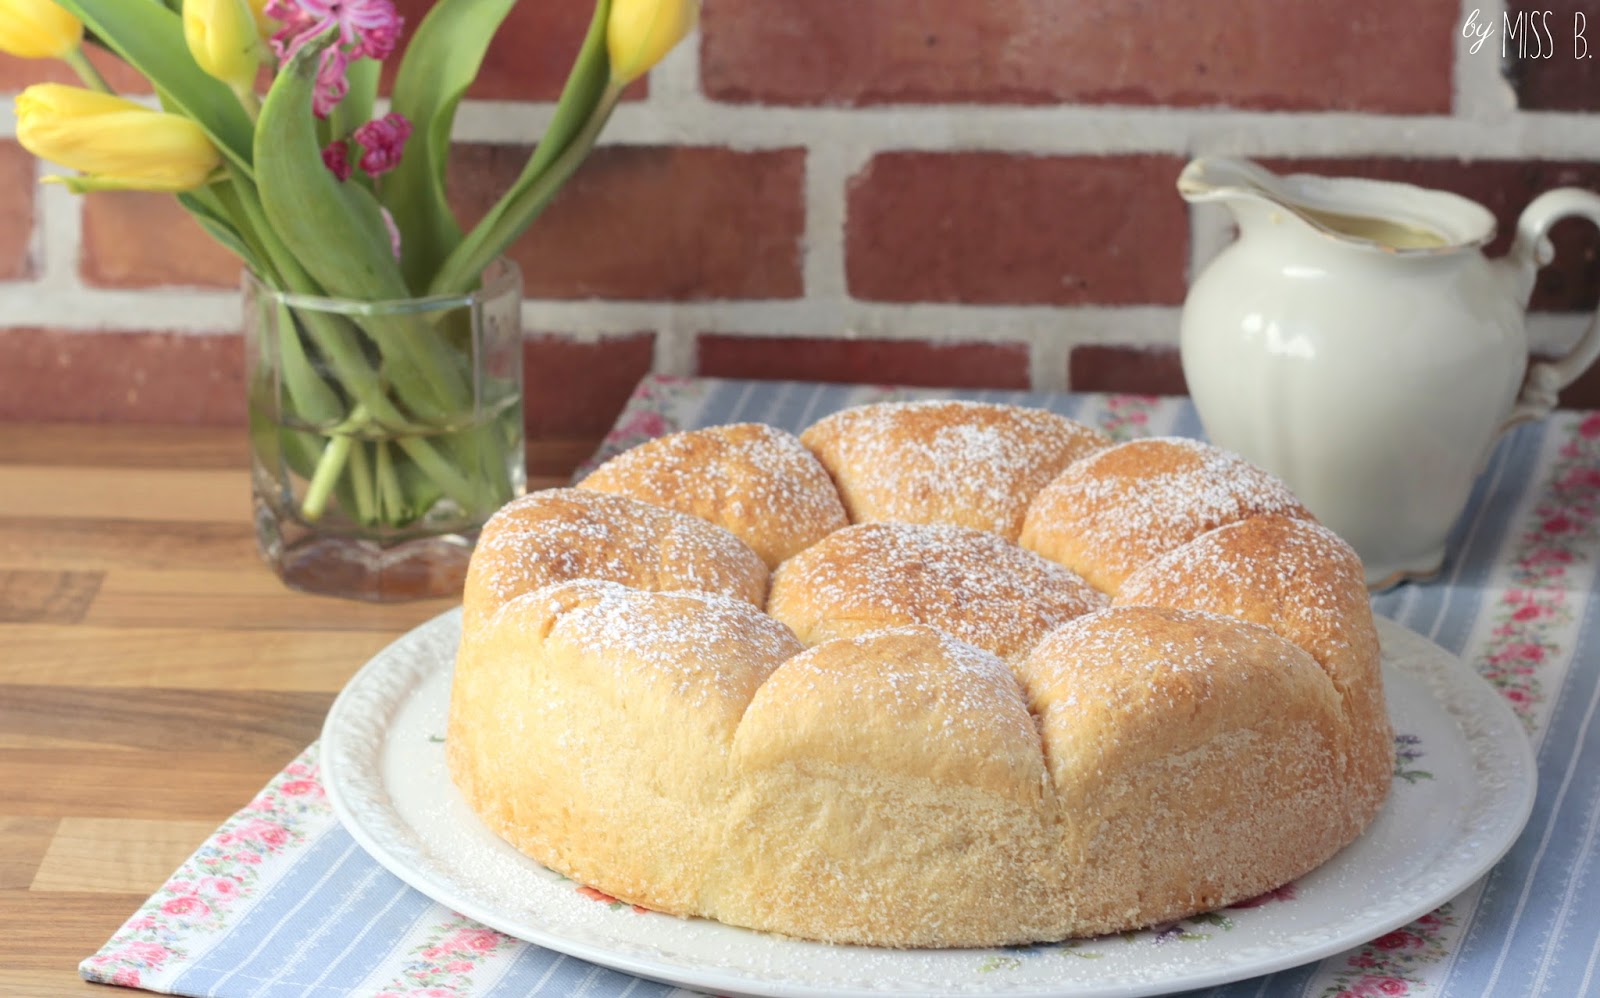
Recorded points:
(116, 856)
(153, 673)
(86, 655)
(36, 596)
(181, 495)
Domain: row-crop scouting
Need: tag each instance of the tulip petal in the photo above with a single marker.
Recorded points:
(642, 32)
(221, 35)
(149, 37)
(38, 29)
(117, 143)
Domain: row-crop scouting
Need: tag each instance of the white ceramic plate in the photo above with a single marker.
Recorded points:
(1468, 795)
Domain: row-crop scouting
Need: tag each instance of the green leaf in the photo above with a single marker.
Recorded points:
(356, 108)
(441, 61)
(335, 230)
(149, 37)
(585, 104)
(586, 83)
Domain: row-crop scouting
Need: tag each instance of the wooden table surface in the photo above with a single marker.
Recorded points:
(154, 674)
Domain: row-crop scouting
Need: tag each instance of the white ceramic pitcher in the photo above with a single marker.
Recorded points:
(1355, 342)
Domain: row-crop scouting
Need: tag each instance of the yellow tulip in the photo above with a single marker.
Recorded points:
(115, 143)
(265, 25)
(640, 32)
(38, 29)
(223, 38)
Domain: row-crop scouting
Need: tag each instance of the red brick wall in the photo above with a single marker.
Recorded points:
(920, 191)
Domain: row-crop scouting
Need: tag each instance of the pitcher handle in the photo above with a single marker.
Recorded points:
(1530, 251)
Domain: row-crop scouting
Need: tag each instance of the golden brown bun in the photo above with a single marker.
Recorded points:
(877, 773)
(1108, 514)
(752, 479)
(562, 534)
(1303, 581)
(968, 583)
(1193, 759)
(968, 464)
(585, 713)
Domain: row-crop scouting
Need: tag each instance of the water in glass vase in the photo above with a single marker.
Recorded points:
(383, 435)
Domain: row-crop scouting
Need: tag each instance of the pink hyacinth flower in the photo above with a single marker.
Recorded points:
(382, 141)
(336, 157)
(332, 83)
(372, 26)
(394, 232)
(380, 41)
(365, 29)
(294, 27)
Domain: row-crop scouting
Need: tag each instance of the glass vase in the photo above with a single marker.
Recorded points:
(383, 434)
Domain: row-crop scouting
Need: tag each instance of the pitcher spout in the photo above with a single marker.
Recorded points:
(1251, 192)
(1366, 214)
(1222, 179)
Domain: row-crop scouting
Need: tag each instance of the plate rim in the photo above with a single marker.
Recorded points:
(1449, 671)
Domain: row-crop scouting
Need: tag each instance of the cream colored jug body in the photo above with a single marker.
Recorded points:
(1355, 342)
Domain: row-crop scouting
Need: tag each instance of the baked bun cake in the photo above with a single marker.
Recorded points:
(932, 674)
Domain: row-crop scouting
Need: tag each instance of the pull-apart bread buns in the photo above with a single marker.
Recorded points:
(1298, 578)
(757, 481)
(563, 534)
(1108, 514)
(1195, 761)
(968, 464)
(968, 583)
(1167, 700)
(591, 726)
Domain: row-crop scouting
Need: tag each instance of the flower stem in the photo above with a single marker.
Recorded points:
(367, 510)
(517, 209)
(86, 72)
(249, 101)
(366, 387)
(327, 473)
(390, 491)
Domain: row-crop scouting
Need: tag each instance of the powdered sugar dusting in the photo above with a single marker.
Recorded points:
(1233, 568)
(971, 464)
(968, 583)
(1112, 512)
(1295, 576)
(755, 480)
(1154, 640)
(561, 534)
(698, 645)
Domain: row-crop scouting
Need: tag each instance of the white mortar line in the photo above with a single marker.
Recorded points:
(58, 227)
(1134, 325)
(829, 168)
(1047, 363)
(1072, 130)
(675, 352)
(1051, 332)
(1482, 94)
(680, 115)
(677, 76)
(175, 310)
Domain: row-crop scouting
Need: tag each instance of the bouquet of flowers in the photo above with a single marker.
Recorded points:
(326, 200)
